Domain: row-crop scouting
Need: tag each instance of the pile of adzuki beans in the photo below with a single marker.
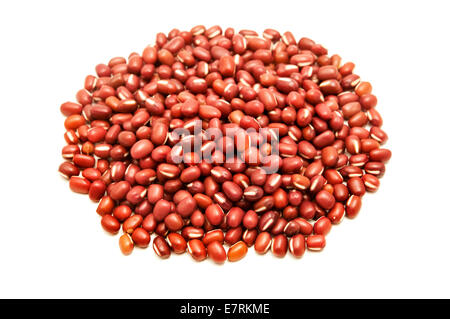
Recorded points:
(119, 138)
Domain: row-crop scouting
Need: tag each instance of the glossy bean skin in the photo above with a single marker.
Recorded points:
(315, 242)
(237, 251)
(215, 215)
(315, 143)
(79, 185)
(197, 250)
(161, 248)
(279, 245)
(131, 223)
(353, 206)
(322, 226)
(297, 245)
(126, 244)
(140, 237)
(110, 224)
(177, 243)
(216, 252)
(68, 169)
(263, 242)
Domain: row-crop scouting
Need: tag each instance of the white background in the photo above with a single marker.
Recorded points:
(51, 241)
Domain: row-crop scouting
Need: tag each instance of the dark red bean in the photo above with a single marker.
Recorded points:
(234, 217)
(126, 244)
(68, 169)
(279, 245)
(131, 223)
(174, 222)
(140, 132)
(263, 242)
(161, 247)
(237, 251)
(216, 252)
(353, 206)
(322, 226)
(325, 199)
(161, 210)
(141, 237)
(356, 186)
(141, 149)
(177, 243)
(119, 190)
(196, 249)
(186, 207)
(110, 224)
(233, 235)
(79, 184)
(97, 190)
(214, 214)
(232, 191)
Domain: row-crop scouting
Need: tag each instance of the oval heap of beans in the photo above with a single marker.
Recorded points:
(121, 140)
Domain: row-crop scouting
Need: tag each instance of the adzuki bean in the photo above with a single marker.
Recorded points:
(211, 138)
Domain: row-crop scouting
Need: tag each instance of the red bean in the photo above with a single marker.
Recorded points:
(122, 212)
(141, 149)
(141, 237)
(174, 222)
(325, 199)
(186, 206)
(336, 213)
(371, 182)
(322, 226)
(97, 190)
(380, 155)
(297, 245)
(84, 161)
(160, 247)
(233, 235)
(177, 243)
(131, 223)
(196, 249)
(267, 220)
(232, 190)
(161, 210)
(71, 108)
(279, 245)
(353, 206)
(329, 156)
(263, 242)
(149, 223)
(79, 185)
(216, 252)
(356, 186)
(74, 121)
(190, 174)
(214, 214)
(237, 251)
(68, 169)
(291, 228)
(250, 219)
(315, 242)
(273, 182)
(234, 217)
(155, 193)
(126, 244)
(253, 193)
(119, 190)
(160, 141)
(110, 224)
(105, 206)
